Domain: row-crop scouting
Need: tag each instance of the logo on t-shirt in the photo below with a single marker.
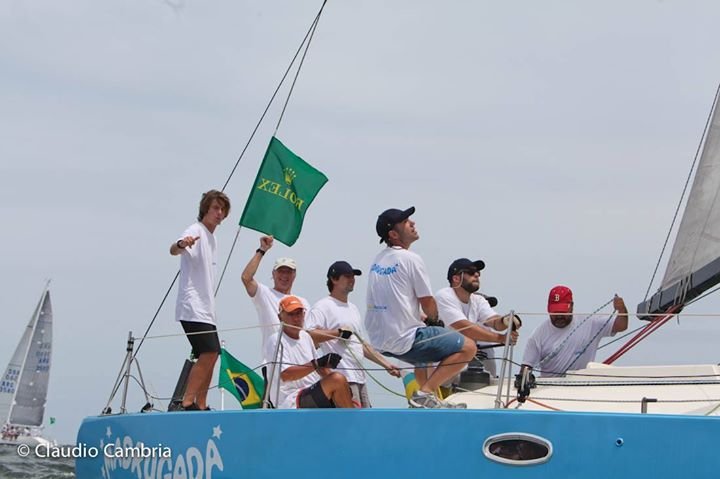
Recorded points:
(384, 270)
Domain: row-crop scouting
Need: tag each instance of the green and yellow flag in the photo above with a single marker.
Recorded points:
(284, 188)
(241, 381)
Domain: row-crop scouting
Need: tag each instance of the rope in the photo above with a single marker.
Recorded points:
(682, 196)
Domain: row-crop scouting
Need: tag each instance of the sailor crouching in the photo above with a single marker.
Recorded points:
(306, 382)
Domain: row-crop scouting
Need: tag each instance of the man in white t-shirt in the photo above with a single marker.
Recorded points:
(398, 287)
(469, 313)
(334, 319)
(265, 299)
(563, 343)
(195, 307)
(305, 382)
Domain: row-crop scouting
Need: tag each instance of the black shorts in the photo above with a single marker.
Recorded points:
(313, 397)
(202, 343)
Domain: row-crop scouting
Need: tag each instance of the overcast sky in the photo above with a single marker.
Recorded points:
(550, 139)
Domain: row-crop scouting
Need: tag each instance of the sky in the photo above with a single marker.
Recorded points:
(550, 139)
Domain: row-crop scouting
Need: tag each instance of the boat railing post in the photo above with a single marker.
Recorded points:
(268, 399)
(506, 352)
(644, 403)
(128, 364)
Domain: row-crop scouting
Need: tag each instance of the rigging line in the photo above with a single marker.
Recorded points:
(300, 65)
(232, 172)
(682, 196)
(227, 261)
(272, 98)
(147, 330)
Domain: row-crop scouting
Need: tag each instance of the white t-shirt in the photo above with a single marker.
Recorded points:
(294, 352)
(330, 313)
(267, 305)
(397, 279)
(477, 310)
(196, 293)
(555, 350)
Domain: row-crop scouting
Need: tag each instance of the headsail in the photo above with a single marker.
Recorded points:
(694, 264)
(24, 386)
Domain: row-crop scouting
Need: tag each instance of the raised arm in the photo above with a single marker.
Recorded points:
(248, 274)
(621, 322)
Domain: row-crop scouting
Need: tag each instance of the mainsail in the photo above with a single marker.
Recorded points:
(24, 386)
(694, 264)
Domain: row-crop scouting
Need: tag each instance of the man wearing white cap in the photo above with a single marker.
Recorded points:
(265, 299)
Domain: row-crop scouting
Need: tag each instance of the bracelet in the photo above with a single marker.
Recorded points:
(262, 252)
(178, 244)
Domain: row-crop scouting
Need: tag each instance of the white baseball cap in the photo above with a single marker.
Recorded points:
(280, 262)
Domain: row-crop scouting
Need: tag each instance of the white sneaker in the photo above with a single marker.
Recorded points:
(425, 400)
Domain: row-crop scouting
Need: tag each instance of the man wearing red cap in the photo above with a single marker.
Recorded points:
(398, 287)
(305, 382)
(562, 344)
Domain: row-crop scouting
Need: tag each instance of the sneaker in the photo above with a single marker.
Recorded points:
(424, 400)
(457, 405)
(191, 407)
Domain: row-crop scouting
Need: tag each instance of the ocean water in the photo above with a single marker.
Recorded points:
(13, 466)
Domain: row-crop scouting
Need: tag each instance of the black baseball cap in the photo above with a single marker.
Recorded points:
(464, 264)
(390, 218)
(339, 268)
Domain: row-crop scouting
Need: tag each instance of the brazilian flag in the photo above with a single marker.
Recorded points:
(241, 381)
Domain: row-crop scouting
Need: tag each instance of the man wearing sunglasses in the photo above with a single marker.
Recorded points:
(469, 313)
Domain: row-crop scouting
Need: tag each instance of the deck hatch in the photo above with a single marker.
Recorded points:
(517, 449)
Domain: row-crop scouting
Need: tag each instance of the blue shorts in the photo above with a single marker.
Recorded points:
(432, 344)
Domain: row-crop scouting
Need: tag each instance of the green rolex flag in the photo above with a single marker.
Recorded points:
(241, 381)
(284, 188)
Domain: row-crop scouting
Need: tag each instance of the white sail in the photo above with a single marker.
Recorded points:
(698, 238)
(24, 386)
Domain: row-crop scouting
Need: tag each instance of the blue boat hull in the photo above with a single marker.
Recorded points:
(392, 443)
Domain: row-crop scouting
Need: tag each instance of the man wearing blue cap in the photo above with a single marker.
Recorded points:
(333, 319)
(398, 287)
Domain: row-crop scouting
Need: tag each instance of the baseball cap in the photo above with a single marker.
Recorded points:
(290, 304)
(339, 268)
(390, 218)
(280, 262)
(464, 264)
(560, 299)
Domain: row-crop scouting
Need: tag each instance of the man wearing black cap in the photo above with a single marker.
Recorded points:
(333, 319)
(398, 287)
(470, 313)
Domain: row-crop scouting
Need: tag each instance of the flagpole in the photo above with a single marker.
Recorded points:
(222, 391)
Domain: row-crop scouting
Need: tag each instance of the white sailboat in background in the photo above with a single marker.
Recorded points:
(24, 385)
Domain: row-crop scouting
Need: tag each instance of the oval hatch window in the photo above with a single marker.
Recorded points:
(517, 449)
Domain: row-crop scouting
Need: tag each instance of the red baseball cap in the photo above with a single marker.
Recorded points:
(560, 300)
(290, 304)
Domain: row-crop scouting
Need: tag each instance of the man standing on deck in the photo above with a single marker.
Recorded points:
(335, 317)
(398, 287)
(267, 300)
(195, 308)
(469, 313)
(561, 343)
(306, 382)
